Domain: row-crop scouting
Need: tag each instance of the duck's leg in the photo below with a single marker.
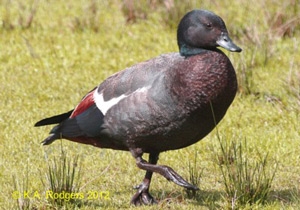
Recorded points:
(143, 189)
(142, 196)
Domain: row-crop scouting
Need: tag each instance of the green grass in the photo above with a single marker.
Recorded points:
(53, 52)
(247, 180)
(63, 180)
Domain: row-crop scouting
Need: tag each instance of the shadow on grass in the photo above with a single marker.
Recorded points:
(286, 196)
(209, 199)
(213, 199)
(78, 204)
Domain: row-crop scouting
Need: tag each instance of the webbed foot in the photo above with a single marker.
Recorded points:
(142, 196)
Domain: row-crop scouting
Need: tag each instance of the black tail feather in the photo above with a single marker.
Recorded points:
(55, 133)
(54, 120)
(51, 138)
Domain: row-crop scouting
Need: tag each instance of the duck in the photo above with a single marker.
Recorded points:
(166, 103)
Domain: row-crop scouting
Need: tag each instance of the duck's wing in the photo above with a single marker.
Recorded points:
(123, 101)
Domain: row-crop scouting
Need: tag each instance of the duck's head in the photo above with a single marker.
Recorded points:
(202, 29)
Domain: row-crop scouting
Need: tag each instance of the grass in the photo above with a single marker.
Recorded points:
(246, 181)
(63, 180)
(22, 200)
(48, 65)
(194, 175)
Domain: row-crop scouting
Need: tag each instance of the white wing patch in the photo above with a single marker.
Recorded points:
(104, 106)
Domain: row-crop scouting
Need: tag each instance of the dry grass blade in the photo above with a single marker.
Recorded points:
(21, 191)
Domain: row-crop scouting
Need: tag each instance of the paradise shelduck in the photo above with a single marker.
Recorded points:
(166, 103)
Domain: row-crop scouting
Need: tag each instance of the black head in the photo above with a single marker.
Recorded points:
(202, 29)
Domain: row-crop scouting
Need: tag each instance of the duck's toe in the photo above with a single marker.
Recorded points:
(142, 196)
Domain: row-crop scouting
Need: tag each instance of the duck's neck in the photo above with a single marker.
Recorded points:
(187, 51)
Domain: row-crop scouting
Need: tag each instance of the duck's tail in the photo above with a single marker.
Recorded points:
(55, 133)
(54, 119)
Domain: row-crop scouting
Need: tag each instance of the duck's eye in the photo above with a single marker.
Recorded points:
(208, 25)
